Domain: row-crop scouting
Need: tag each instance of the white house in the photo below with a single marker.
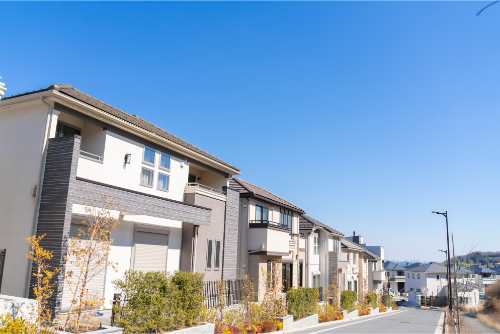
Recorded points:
(434, 278)
(354, 266)
(321, 253)
(395, 276)
(483, 276)
(176, 211)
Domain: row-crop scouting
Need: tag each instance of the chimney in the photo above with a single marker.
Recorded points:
(2, 89)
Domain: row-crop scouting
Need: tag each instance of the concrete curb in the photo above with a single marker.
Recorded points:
(440, 326)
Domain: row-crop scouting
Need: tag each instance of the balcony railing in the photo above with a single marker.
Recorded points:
(90, 156)
(397, 278)
(268, 222)
(202, 186)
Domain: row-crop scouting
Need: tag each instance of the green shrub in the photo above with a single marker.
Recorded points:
(301, 302)
(387, 300)
(158, 301)
(348, 299)
(371, 299)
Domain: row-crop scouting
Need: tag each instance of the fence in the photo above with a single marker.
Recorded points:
(434, 301)
(2, 264)
(232, 292)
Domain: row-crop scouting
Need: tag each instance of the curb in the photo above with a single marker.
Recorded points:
(440, 326)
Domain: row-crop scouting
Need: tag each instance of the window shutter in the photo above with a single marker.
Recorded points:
(150, 251)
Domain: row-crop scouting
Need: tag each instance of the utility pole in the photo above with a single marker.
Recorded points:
(450, 302)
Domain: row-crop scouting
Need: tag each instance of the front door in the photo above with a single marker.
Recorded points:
(287, 276)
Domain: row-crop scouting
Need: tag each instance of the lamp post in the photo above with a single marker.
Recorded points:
(445, 214)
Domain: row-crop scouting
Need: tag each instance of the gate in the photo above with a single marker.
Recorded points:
(2, 264)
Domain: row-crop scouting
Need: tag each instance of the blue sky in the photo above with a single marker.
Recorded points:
(369, 115)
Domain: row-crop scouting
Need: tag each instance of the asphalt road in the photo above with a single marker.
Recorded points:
(406, 320)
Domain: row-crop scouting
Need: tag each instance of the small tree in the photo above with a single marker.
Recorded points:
(274, 302)
(89, 252)
(43, 288)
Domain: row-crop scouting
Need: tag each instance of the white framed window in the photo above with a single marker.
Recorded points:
(316, 281)
(413, 275)
(163, 181)
(412, 289)
(148, 156)
(408, 275)
(210, 244)
(418, 290)
(316, 246)
(164, 161)
(418, 276)
(437, 276)
(147, 176)
(217, 254)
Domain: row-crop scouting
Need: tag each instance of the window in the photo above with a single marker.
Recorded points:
(316, 246)
(217, 254)
(408, 275)
(413, 275)
(286, 219)
(191, 178)
(356, 286)
(446, 276)
(374, 266)
(336, 245)
(149, 156)
(418, 276)
(163, 180)
(348, 256)
(64, 130)
(418, 290)
(437, 276)
(316, 281)
(209, 254)
(147, 176)
(412, 289)
(387, 274)
(349, 285)
(165, 161)
(261, 214)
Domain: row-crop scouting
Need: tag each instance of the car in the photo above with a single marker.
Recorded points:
(392, 293)
(404, 294)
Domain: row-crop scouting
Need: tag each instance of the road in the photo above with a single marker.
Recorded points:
(406, 320)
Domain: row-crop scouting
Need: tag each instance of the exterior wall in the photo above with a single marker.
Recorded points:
(273, 240)
(22, 133)
(232, 215)
(257, 271)
(215, 231)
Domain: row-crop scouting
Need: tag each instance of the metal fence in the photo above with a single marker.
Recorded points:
(434, 301)
(232, 291)
(2, 264)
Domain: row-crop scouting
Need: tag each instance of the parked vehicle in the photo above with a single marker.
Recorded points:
(392, 293)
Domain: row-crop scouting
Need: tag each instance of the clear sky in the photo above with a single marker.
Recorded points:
(369, 115)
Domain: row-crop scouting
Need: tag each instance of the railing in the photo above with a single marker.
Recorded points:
(202, 186)
(394, 278)
(90, 156)
(231, 291)
(268, 222)
(2, 263)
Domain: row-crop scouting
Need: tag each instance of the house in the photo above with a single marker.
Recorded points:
(375, 257)
(483, 276)
(354, 267)
(395, 276)
(268, 236)
(321, 245)
(434, 277)
(63, 149)
(497, 271)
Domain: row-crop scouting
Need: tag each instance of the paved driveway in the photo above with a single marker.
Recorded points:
(406, 320)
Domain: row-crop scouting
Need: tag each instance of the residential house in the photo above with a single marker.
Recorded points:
(354, 267)
(268, 235)
(395, 276)
(375, 257)
(483, 276)
(321, 253)
(497, 271)
(434, 277)
(63, 149)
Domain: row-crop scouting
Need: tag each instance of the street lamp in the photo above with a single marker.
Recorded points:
(445, 214)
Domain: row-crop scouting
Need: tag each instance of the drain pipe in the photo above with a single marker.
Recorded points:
(38, 191)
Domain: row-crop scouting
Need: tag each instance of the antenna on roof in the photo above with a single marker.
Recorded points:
(2, 89)
(353, 233)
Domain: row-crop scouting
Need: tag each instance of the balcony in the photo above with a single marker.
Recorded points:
(198, 188)
(397, 279)
(269, 238)
(378, 275)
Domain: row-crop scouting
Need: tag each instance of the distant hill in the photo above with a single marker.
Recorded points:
(482, 258)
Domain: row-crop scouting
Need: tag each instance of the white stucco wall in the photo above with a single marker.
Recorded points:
(22, 131)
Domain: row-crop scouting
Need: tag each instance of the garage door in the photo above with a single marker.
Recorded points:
(95, 285)
(151, 250)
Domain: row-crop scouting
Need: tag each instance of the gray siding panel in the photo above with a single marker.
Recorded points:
(231, 224)
(333, 265)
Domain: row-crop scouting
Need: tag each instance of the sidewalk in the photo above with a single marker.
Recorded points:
(477, 326)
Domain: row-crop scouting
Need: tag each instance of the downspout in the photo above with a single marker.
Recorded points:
(48, 128)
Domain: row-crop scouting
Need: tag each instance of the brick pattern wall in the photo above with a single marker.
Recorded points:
(231, 224)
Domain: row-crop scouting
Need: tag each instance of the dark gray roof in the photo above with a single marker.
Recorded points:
(429, 268)
(351, 245)
(306, 223)
(72, 92)
(370, 255)
(477, 269)
(414, 265)
(497, 270)
(393, 266)
(247, 189)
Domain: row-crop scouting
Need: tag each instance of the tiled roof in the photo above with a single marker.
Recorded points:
(306, 222)
(429, 268)
(370, 255)
(414, 265)
(72, 92)
(497, 270)
(477, 269)
(250, 190)
(393, 266)
(351, 245)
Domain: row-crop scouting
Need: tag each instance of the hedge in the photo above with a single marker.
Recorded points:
(371, 299)
(348, 299)
(387, 300)
(158, 301)
(301, 302)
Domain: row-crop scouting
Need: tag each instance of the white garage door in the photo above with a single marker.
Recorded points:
(150, 251)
